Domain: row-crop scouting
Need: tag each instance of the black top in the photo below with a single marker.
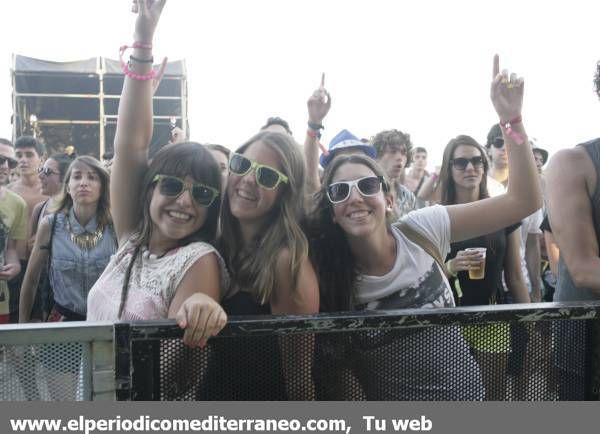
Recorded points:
(484, 291)
(545, 226)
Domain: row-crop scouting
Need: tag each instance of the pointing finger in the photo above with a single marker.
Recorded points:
(496, 67)
(323, 80)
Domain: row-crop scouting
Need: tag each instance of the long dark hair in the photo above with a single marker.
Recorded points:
(447, 186)
(330, 251)
(180, 160)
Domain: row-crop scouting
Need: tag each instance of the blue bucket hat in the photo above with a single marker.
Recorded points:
(345, 140)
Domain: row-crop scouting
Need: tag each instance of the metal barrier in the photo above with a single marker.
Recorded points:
(544, 351)
(531, 352)
(71, 361)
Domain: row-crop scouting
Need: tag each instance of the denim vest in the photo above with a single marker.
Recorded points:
(74, 270)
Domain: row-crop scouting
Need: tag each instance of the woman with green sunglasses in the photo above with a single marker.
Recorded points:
(267, 255)
(165, 215)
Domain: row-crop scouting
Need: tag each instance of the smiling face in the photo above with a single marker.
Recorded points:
(359, 216)
(174, 218)
(50, 182)
(84, 184)
(469, 178)
(248, 201)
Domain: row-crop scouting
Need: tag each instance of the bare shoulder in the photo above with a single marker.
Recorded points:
(571, 164)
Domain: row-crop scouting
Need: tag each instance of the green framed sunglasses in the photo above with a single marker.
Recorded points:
(266, 176)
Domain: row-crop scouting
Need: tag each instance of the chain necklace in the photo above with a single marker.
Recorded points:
(86, 240)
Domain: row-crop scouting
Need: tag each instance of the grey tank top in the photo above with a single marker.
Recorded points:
(566, 289)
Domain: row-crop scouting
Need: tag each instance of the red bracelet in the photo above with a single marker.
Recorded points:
(507, 127)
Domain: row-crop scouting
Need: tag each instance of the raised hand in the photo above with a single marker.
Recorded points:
(319, 103)
(148, 13)
(506, 93)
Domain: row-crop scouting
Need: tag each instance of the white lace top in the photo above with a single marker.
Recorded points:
(152, 284)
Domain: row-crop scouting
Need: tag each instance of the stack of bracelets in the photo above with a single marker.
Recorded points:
(125, 67)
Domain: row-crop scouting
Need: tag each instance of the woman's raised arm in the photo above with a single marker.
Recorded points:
(524, 195)
(134, 122)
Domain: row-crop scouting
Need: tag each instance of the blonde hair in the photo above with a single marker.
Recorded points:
(253, 266)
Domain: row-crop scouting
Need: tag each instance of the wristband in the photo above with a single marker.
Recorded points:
(315, 134)
(138, 60)
(507, 128)
(314, 126)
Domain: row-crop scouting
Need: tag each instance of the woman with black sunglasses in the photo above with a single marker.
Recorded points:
(463, 179)
(165, 214)
(365, 263)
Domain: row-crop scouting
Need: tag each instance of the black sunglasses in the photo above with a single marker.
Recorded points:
(172, 186)
(340, 191)
(46, 171)
(461, 163)
(11, 162)
(498, 142)
(266, 176)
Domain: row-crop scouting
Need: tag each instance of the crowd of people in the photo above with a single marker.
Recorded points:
(198, 232)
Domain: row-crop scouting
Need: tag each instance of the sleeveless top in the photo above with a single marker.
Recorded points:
(74, 270)
(566, 289)
(152, 284)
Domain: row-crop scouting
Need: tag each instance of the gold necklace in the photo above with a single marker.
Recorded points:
(86, 240)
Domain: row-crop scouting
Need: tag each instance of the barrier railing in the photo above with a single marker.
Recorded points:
(544, 351)
(57, 361)
(532, 352)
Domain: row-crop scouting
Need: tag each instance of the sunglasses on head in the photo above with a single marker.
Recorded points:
(498, 142)
(266, 176)
(11, 162)
(46, 171)
(340, 191)
(461, 163)
(171, 186)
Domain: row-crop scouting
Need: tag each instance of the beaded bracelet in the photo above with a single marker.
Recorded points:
(125, 67)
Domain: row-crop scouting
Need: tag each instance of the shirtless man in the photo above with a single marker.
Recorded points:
(418, 174)
(28, 152)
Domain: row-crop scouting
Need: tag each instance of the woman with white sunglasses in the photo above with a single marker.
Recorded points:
(363, 262)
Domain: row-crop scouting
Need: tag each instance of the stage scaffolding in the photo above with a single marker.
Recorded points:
(76, 103)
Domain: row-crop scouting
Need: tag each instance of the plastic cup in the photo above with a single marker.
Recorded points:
(479, 272)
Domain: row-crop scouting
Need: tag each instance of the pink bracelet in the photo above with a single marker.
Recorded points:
(138, 44)
(507, 127)
(125, 68)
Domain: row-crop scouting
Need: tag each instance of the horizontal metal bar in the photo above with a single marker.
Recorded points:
(46, 333)
(59, 95)
(370, 320)
(65, 122)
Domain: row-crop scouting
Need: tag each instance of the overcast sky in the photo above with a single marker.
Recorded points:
(423, 67)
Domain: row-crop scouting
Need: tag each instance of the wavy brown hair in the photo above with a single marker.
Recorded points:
(253, 266)
(447, 186)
